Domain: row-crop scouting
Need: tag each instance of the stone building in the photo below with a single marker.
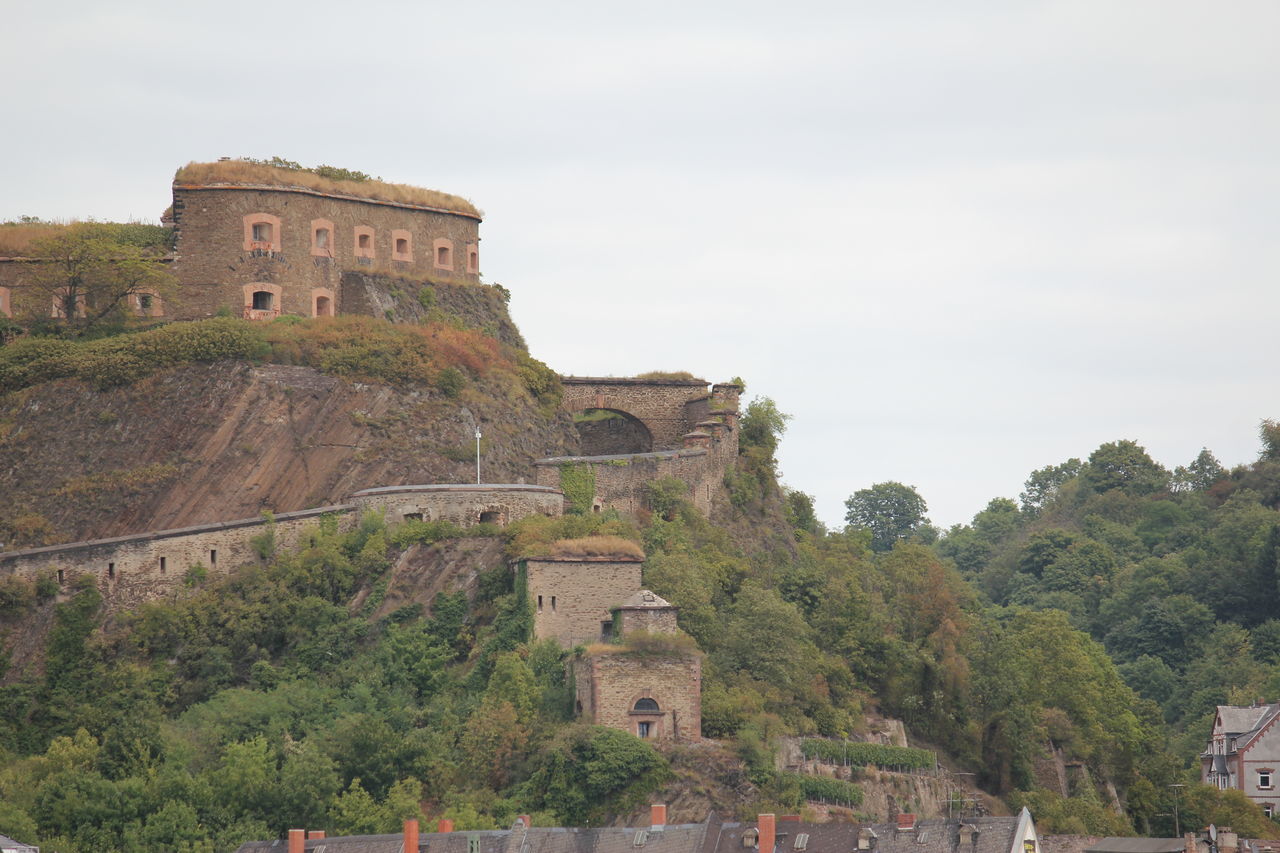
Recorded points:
(648, 681)
(249, 240)
(572, 597)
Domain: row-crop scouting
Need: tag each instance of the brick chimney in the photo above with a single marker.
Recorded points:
(906, 822)
(658, 817)
(297, 840)
(315, 833)
(1189, 843)
(411, 836)
(767, 829)
(445, 825)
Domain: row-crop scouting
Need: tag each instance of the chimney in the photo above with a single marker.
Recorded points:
(297, 840)
(1228, 841)
(411, 836)
(766, 826)
(1189, 843)
(445, 825)
(315, 833)
(906, 822)
(525, 819)
(658, 817)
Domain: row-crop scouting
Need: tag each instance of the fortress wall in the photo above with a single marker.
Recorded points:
(133, 569)
(463, 504)
(573, 599)
(608, 684)
(213, 263)
(659, 403)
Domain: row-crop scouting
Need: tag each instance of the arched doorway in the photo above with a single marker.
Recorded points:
(605, 432)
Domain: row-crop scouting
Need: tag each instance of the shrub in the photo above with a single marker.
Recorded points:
(828, 790)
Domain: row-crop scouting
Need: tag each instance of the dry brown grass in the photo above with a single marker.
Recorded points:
(681, 375)
(16, 237)
(239, 172)
(597, 546)
(646, 645)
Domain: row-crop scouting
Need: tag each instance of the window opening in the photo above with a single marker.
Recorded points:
(802, 841)
(643, 729)
(402, 246)
(473, 261)
(646, 704)
(61, 576)
(322, 238)
(1264, 778)
(553, 603)
(213, 557)
(163, 562)
(539, 604)
(366, 241)
(473, 844)
(323, 308)
(606, 630)
(262, 300)
(144, 302)
(442, 256)
(413, 516)
(641, 836)
(262, 232)
(111, 570)
(491, 517)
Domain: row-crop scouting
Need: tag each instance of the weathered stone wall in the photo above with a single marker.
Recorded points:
(144, 566)
(655, 620)
(215, 262)
(658, 403)
(572, 599)
(147, 566)
(608, 684)
(462, 504)
(477, 306)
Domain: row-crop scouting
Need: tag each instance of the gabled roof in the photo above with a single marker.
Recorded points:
(1238, 720)
(646, 600)
(991, 835)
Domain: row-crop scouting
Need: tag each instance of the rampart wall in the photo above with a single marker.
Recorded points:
(664, 406)
(145, 566)
(294, 244)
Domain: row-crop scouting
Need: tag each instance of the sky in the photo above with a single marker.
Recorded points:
(955, 241)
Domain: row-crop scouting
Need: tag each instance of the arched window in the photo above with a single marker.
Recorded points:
(322, 238)
(364, 241)
(261, 232)
(443, 253)
(401, 245)
(473, 258)
(646, 704)
(321, 302)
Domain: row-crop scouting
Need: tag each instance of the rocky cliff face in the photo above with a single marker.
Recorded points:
(205, 443)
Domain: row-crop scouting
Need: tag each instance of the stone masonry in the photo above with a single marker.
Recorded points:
(609, 683)
(572, 598)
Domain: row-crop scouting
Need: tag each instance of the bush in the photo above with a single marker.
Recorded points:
(828, 790)
(16, 593)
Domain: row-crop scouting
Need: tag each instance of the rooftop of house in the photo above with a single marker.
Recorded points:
(244, 173)
(646, 600)
(968, 835)
(1242, 719)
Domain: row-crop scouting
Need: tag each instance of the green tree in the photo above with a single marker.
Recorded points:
(1203, 472)
(1124, 465)
(92, 271)
(890, 510)
(1044, 484)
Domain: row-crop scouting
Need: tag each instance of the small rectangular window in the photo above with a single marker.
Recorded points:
(61, 576)
(539, 604)
(1264, 778)
(213, 557)
(553, 604)
(643, 729)
(163, 564)
(111, 570)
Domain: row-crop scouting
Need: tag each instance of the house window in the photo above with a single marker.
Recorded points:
(606, 630)
(261, 232)
(262, 300)
(646, 704)
(402, 245)
(443, 254)
(644, 729)
(1268, 809)
(1264, 779)
(62, 576)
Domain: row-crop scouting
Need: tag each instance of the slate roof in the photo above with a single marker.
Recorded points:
(993, 835)
(7, 844)
(1237, 720)
(643, 600)
(1137, 845)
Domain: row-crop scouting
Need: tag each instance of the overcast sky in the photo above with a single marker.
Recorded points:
(956, 241)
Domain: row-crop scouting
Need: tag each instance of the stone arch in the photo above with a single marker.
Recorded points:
(608, 431)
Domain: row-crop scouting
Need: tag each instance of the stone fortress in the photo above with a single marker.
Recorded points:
(249, 243)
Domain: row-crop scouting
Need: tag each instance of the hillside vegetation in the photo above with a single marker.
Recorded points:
(1094, 624)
